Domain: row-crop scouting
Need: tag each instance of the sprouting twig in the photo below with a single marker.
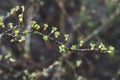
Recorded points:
(68, 49)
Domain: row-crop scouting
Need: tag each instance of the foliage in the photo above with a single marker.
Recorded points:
(72, 48)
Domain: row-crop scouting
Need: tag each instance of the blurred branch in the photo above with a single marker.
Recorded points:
(31, 9)
(5, 67)
(100, 28)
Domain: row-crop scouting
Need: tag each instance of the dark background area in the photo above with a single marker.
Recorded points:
(88, 20)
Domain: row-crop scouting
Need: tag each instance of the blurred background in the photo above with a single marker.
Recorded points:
(91, 21)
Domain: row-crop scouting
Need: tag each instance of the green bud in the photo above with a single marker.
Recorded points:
(66, 36)
(45, 26)
(57, 34)
(53, 29)
(45, 37)
(73, 47)
(62, 48)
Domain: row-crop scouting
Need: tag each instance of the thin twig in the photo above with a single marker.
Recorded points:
(68, 49)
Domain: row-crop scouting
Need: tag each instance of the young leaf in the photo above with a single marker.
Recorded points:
(10, 25)
(17, 32)
(81, 43)
(12, 40)
(57, 34)
(92, 45)
(45, 26)
(74, 47)
(20, 18)
(53, 29)
(45, 37)
(32, 23)
(36, 26)
(22, 38)
(62, 48)
(111, 49)
(23, 8)
(102, 47)
(66, 36)
(78, 63)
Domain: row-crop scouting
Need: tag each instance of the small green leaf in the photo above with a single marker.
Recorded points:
(22, 38)
(78, 63)
(26, 32)
(57, 34)
(92, 45)
(45, 37)
(62, 48)
(45, 26)
(12, 40)
(17, 32)
(37, 27)
(35, 32)
(111, 49)
(81, 43)
(10, 25)
(12, 11)
(17, 8)
(23, 8)
(45, 73)
(32, 23)
(20, 15)
(73, 47)
(20, 18)
(54, 29)
(66, 36)
(102, 46)
(33, 75)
